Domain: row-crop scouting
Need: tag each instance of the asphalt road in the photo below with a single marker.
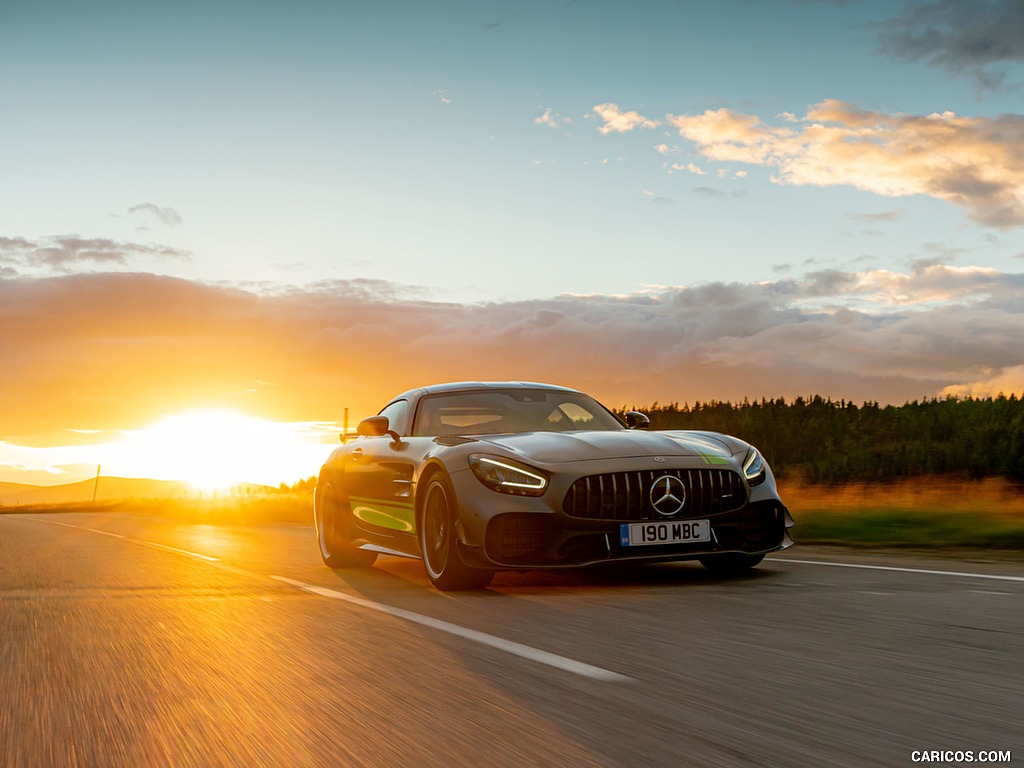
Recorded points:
(134, 641)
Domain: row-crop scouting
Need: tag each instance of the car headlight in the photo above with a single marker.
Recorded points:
(754, 468)
(507, 476)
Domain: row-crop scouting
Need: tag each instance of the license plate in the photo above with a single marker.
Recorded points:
(677, 532)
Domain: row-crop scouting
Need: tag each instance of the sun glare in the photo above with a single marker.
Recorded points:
(216, 450)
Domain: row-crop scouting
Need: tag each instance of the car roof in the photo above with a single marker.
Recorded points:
(469, 386)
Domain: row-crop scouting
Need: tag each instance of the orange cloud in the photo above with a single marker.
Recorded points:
(617, 121)
(115, 351)
(992, 384)
(551, 119)
(974, 163)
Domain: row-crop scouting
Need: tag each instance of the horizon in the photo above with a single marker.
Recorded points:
(219, 482)
(277, 214)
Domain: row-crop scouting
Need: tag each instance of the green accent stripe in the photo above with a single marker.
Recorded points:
(381, 502)
(396, 515)
(710, 458)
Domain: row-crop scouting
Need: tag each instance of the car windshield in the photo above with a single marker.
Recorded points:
(504, 411)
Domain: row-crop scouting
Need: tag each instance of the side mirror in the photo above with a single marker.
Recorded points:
(637, 420)
(376, 426)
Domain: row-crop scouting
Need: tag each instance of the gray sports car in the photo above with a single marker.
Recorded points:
(477, 477)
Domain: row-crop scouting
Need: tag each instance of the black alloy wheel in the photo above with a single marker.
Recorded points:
(334, 531)
(438, 543)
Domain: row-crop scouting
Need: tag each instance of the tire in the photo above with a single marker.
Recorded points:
(438, 543)
(334, 531)
(731, 563)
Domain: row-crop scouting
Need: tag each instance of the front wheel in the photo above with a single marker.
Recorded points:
(730, 563)
(333, 531)
(438, 543)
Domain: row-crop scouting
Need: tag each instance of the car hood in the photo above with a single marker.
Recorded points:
(555, 447)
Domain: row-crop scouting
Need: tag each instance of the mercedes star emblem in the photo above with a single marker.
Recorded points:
(668, 495)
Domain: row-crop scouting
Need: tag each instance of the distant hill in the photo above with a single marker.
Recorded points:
(109, 489)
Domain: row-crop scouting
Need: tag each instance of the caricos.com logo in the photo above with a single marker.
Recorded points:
(960, 756)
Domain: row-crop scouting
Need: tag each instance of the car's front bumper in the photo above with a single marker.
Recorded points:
(500, 531)
(525, 540)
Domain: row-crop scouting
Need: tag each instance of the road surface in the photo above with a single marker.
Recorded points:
(139, 641)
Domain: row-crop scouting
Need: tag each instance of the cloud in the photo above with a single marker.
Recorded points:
(167, 216)
(109, 351)
(691, 167)
(928, 284)
(616, 121)
(655, 199)
(69, 252)
(710, 192)
(1006, 381)
(727, 136)
(974, 163)
(551, 119)
(970, 39)
(882, 216)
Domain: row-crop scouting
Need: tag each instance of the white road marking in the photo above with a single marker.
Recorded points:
(993, 576)
(207, 558)
(105, 533)
(508, 646)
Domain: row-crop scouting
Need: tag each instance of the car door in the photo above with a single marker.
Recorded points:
(379, 484)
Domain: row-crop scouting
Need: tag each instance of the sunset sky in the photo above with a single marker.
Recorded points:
(240, 218)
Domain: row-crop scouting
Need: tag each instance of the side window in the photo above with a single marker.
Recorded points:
(396, 413)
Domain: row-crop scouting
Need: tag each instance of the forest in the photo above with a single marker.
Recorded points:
(820, 440)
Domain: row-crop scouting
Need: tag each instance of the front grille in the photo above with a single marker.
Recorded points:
(627, 495)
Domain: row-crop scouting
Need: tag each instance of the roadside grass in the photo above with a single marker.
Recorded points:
(914, 513)
(924, 513)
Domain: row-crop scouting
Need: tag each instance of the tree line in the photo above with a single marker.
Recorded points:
(826, 441)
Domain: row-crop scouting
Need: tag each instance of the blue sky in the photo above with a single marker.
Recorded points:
(294, 142)
(738, 198)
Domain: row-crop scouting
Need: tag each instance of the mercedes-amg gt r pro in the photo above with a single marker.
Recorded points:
(478, 477)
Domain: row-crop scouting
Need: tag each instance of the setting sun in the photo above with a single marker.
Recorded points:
(214, 450)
